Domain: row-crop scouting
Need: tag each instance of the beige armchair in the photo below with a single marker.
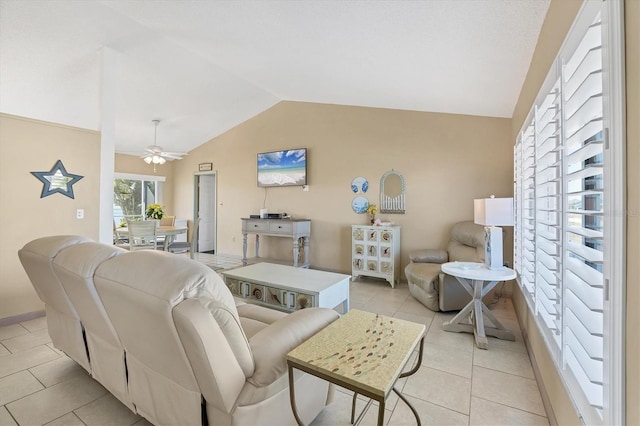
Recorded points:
(435, 289)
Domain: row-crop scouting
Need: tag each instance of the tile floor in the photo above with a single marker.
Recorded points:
(457, 383)
(219, 261)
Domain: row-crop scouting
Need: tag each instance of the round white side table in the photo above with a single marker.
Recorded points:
(478, 280)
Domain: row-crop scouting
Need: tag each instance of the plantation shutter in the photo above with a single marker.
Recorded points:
(548, 206)
(584, 191)
(568, 253)
(527, 274)
(517, 206)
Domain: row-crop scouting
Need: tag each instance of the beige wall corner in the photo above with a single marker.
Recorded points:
(26, 146)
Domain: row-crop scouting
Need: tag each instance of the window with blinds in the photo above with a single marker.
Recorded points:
(561, 194)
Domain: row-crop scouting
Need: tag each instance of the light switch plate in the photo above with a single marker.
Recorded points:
(80, 214)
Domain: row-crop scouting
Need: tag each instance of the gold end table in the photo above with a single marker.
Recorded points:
(363, 352)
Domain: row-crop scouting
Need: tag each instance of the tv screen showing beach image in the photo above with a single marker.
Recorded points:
(283, 168)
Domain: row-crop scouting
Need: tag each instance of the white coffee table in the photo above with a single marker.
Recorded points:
(478, 280)
(287, 288)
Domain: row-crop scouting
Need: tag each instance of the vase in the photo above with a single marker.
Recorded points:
(157, 221)
(373, 218)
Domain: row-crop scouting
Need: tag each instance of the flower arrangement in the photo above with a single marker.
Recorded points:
(154, 211)
(372, 210)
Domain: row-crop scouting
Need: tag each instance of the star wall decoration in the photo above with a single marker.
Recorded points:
(57, 180)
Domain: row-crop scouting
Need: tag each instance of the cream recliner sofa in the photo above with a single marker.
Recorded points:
(435, 289)
(170, 341)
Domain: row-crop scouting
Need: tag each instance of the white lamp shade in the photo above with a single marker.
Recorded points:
(493, 211)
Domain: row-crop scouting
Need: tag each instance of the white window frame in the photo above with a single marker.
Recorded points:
(148, 178)
(614, 256)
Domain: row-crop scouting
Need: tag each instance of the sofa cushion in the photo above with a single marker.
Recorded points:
(428, 256)
(139, 291)
(254, 318)
(75, 267)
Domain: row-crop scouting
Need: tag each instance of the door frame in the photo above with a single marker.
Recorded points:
(196, 205)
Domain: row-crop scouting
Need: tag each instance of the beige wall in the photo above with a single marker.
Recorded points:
(26, 146)
(447, 161)
(558, 21)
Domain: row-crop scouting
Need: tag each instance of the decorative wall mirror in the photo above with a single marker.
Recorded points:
(392, 193)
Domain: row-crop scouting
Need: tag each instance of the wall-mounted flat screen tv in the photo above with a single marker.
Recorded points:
(282, 168)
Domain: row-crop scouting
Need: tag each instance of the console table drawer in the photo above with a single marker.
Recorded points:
(281, 227)
(256, 226)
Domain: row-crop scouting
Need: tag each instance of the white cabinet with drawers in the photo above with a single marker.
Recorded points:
(375, 252)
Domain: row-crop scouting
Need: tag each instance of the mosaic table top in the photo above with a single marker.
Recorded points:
(363, 349)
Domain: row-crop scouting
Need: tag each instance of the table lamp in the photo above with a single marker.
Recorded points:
(493, 213)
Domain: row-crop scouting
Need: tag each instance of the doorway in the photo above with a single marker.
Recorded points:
(205, 208)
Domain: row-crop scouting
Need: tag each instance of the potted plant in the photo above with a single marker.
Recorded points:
(154, 211)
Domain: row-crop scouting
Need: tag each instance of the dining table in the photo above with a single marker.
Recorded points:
(168, 232)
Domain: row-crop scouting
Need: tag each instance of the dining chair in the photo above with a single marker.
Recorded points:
(119, 240)
(182, 246)
(168, 221)
(142, 235)
(165, 221)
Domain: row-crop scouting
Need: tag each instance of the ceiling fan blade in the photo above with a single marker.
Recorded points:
(174, 153)
(171, 156)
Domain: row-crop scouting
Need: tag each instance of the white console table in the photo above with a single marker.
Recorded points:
(297, 229)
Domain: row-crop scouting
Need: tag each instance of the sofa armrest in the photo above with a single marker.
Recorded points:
(271, 345)
(429, 256)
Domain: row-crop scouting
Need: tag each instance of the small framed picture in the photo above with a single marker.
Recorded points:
(205, 167)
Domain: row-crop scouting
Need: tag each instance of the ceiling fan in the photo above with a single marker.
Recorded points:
(154, 153)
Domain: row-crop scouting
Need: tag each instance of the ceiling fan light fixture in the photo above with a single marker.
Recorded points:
(155, 155)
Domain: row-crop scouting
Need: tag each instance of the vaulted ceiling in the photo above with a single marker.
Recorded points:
(205, 66)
